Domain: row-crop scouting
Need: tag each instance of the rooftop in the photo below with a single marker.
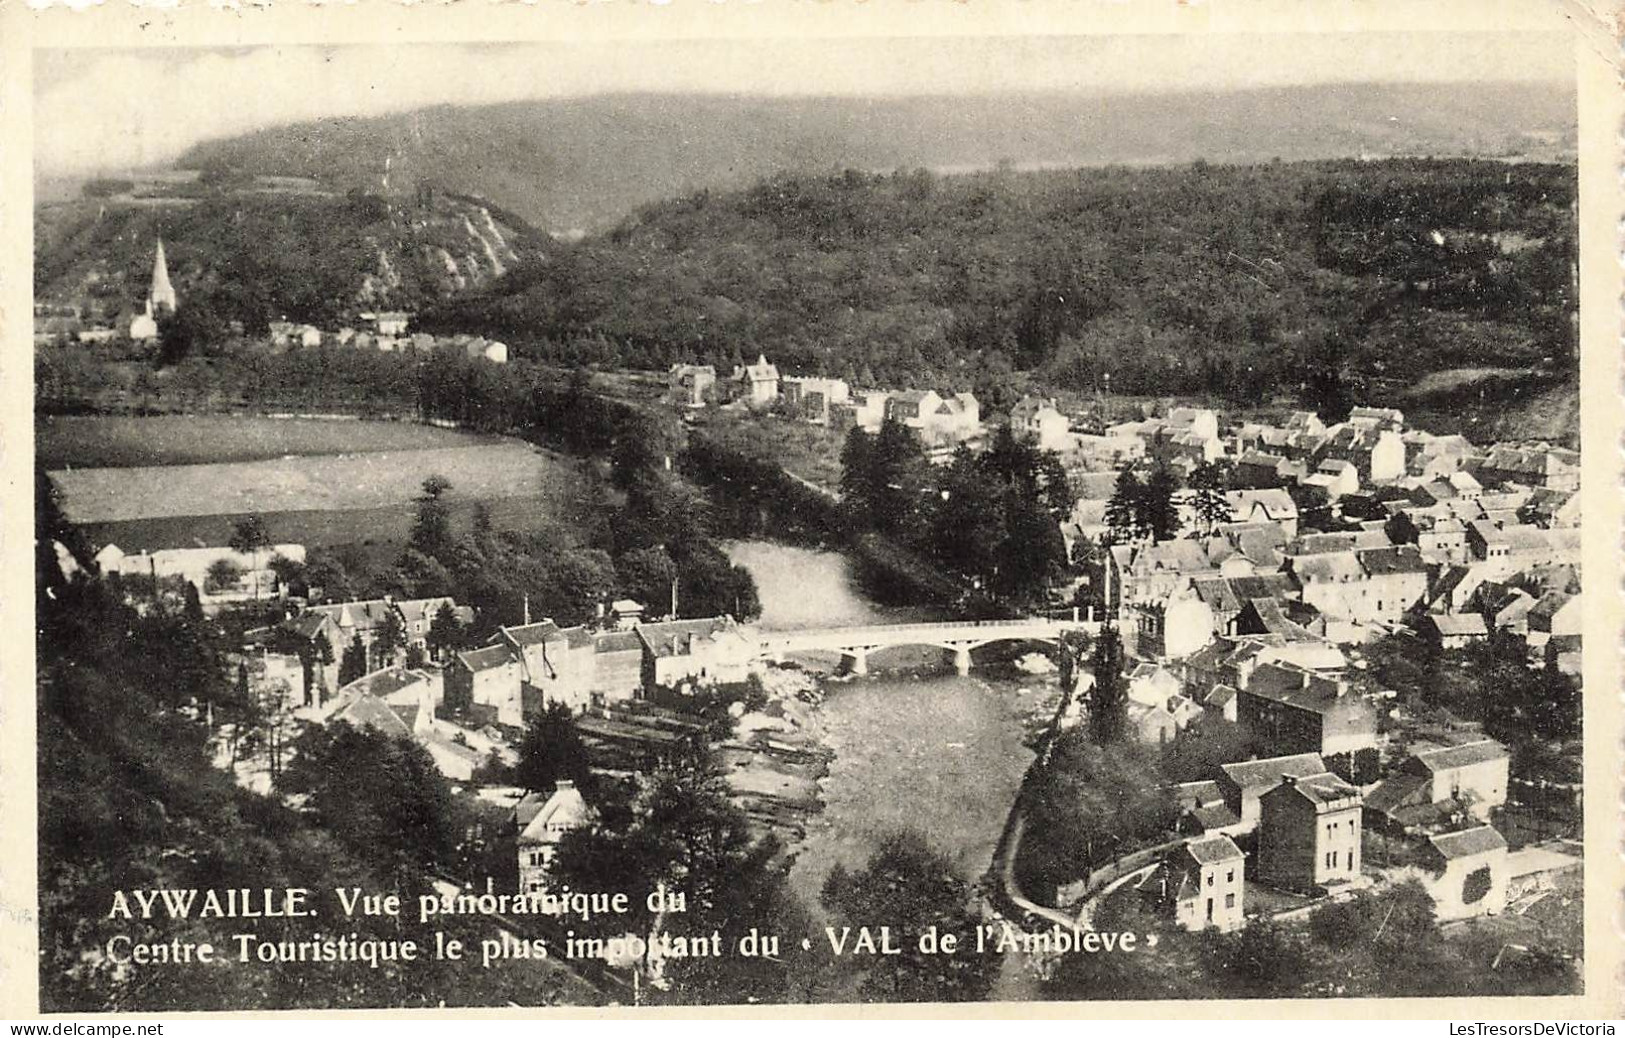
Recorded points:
(1262, 774)
(1212, 850)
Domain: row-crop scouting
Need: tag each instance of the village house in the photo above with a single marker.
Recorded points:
(1556, 613)
(1367, 586)
(1243, 783)
(692, 385)
(1225, 597)
(541, 824)
(626, 613)
(1135, 574)
(1466, 873)
(1291, 711)
(1152, 723)
(1541, 465)
(1309, 833)
(1038, 421)
(1383, 419)
(682, 652)
(1377, 453)
(556, 665)
(1202, 810)
(1274, 506)
(365, 618)
(865, 410)
(617, 666)
(486, 685)
(1220, 702)
(757, 384)
(1429, 456)
(386, 322)
(1200, 885)
(1503, 607)
(811, 399)
(1173, 628)
(1473, 773)
(1451, 631)
(1261, 470)
(1334, 477)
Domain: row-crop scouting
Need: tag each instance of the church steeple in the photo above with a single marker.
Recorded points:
(162, 294)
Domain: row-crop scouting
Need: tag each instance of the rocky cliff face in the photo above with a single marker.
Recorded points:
(267, 248)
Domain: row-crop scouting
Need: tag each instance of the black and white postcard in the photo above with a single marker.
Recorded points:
(630, 506)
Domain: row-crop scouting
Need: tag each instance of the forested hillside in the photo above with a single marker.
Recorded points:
(1237, 281)
(240, 252)
(586, 162)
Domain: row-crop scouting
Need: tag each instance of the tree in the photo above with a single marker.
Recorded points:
(911, 888)
(681, 832)
(1160, 513)
(353, 664)
(221, 576)
(551, 750)
(250, 537)
(1108, 699)
(431, 533)
(194, 604)
(445, 631)
(1208, 483)
(383, 797)
(1087, 804)
(388, 638)
(648, 576)
(1125, 512)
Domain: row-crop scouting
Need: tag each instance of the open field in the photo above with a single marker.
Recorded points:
(312, 483)
(97, 441)
(383, 529)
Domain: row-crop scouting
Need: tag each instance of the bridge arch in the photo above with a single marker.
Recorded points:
(855, 644)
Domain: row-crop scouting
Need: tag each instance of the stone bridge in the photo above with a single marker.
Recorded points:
(958, 637)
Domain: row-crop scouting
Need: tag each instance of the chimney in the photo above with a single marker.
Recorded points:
(563, 784)
(1289, 780)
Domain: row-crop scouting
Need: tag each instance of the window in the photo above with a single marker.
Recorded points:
(1210, 879)
(1230, 877)
(1230, 901)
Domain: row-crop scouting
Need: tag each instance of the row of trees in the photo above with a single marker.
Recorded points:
(1148, 506)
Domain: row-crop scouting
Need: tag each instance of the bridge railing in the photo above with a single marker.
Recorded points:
(883, 631)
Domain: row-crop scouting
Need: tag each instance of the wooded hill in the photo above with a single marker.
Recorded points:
(1234, 281)
(585, 163)
(247, 250)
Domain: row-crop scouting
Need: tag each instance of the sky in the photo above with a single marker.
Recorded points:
(100, 110)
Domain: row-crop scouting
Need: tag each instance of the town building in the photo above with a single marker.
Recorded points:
(556, 665)
(1038, 421)
(1293, 711)
(1309, 833)
(811, 399)
(1467, 873)
(485, 685)
(542, 823)
(694, 652)
(757, 384)
(1452, 631)
(1273, 506)
(1201, 885)
(1243, 783)
(692, 385)
(1473, 774)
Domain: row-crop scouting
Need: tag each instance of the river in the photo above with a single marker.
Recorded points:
(916, 746)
